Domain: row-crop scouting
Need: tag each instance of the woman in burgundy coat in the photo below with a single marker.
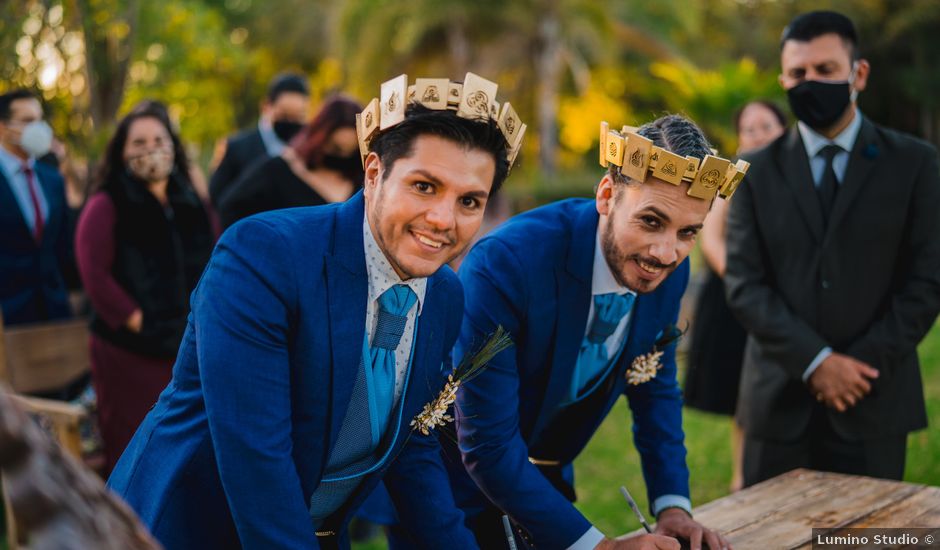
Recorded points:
(142, 242)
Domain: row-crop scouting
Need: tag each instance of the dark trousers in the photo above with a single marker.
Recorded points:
(821, 448)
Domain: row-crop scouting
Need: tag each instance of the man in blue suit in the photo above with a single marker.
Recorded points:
(36, 245)
(586, 288)
(316, 336)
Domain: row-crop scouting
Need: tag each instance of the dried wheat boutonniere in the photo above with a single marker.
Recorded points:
(434, 413)
(644, 367)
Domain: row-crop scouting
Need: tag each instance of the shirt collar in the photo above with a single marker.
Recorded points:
(381, 274)
(272, 144)
(813, 141)
(602, 278)
(11, 163)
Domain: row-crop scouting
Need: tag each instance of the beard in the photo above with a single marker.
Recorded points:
(618, 259)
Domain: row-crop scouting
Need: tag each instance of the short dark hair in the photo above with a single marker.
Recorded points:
(483, 134)
(286, 83)
(673, 133)
(807, 26)
(7, 99)
(767, 104)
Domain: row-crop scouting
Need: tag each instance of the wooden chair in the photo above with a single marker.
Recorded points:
(42, 358)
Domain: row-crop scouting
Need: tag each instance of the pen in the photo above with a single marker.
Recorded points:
(636, 509)
(509, 535)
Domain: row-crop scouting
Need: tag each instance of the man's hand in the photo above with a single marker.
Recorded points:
(841, 381)
(639, 542)
(676, 522)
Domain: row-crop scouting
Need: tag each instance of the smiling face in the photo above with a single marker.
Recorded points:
(427, 208)
(647, 229)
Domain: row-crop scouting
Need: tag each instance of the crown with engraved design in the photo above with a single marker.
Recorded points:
(473, 99)
(636, 156)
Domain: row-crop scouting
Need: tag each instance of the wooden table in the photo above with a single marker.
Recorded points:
(781, 512)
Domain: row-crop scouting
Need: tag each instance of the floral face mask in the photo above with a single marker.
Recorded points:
(154, 165)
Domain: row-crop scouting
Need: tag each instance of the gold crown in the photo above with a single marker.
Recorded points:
(635, 155)
(474, 98)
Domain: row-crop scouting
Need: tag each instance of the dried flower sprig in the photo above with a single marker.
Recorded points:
(644, 367)
(472, 365)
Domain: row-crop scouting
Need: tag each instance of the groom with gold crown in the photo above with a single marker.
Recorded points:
(318, 335)
(590, 291)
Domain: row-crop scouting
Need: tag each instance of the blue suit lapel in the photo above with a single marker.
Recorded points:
(347, 291)
(53, 204)
(12, 210)
(573, 291)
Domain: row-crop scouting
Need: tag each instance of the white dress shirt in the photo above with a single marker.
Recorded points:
(272, 144)
(12, 169)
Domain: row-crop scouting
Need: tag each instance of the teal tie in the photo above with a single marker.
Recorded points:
(394, 305)
(609, 310)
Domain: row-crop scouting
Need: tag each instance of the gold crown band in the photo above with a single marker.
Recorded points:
(473, 99)
(636, 155)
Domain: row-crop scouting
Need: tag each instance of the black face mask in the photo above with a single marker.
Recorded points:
(285, 130)
(819, 104)
(345, 165)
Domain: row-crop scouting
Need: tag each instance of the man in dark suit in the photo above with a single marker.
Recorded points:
(316, 336)
(36, 244)
(590, 291)
(834, 269)
(283, 113)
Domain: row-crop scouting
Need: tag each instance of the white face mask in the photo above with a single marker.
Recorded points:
(36, 138)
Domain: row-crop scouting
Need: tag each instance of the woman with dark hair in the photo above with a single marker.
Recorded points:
(717, 344)
(142, 242)
(320, 165)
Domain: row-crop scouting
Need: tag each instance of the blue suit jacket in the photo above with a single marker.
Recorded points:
(32, 288)
(533, 276)
(239, 440)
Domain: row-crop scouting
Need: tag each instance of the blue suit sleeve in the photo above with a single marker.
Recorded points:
(492, 447)
(242, 310)
(656, 406)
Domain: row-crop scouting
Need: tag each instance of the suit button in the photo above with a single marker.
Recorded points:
(825, 284)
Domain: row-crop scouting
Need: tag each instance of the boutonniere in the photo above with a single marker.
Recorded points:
(435, 413)
(644, 367)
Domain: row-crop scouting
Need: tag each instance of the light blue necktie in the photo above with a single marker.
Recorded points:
(394, 305)
(609, 310)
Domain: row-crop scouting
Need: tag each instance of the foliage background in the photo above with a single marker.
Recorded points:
(565, 63)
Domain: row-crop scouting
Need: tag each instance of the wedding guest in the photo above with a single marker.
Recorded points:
(143, 240)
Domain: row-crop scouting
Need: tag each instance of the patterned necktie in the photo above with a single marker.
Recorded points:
(609, 310)
(828, 185)
(394, 305)
(37, 210)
